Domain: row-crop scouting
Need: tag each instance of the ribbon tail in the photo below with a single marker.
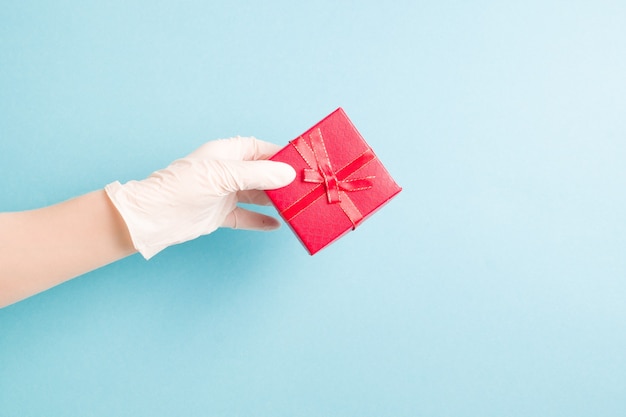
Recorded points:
(350, 210)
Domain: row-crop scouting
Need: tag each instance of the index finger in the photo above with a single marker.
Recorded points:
(237, 148)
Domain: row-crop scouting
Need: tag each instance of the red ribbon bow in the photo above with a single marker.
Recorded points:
(335, 184)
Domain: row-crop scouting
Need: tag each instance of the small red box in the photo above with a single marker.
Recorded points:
(339, 182)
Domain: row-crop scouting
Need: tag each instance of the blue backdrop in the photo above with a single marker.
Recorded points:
(494, 285)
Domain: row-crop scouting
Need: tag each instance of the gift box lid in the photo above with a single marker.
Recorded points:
(339, 182)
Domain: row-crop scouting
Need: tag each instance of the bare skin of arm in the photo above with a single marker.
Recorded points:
(45, 247)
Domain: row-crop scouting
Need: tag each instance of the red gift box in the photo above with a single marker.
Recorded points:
(339, 182)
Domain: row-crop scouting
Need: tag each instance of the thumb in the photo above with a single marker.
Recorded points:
(253, 175)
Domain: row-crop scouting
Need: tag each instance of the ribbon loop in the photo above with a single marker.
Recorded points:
(312, 175)
(324, 167)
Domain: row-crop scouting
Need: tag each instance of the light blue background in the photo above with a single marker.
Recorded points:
(494, 285)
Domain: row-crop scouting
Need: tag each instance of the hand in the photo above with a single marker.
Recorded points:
(195, 195)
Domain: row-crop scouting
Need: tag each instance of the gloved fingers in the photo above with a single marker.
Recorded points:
(257, 197)
(237, 148)
(241, 218)
(234, 176)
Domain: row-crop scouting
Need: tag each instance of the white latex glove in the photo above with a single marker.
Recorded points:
(199, 193)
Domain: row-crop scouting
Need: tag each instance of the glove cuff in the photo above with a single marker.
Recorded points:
(126, 206)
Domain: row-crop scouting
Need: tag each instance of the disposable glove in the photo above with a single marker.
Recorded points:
(197, 194)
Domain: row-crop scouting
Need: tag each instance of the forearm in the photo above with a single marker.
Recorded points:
(191, 197)
(45, 247)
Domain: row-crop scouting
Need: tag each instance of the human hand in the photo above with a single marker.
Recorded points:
(197, 194)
